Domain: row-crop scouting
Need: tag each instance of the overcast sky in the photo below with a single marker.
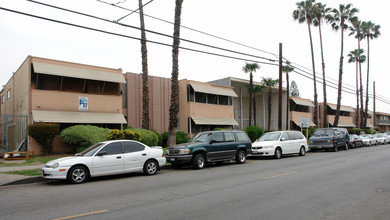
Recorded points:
(256, 24)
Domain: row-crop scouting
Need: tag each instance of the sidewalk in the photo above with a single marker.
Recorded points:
(11, 179)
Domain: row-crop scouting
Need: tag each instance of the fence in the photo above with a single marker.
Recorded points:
(13, 133)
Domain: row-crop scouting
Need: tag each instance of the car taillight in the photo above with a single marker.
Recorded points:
(163, 155)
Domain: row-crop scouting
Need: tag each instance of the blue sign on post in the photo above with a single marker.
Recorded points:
(83, 103)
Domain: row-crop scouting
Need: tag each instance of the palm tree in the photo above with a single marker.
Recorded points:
(320, 12)
(370, 31)
(287, 69)
(338, 19)
(145, 83)
(356, 56)
(269, 82)
(294, 91)
(305, 13)
(256, 89)
(357, 30)
(174, 106)
(250, 68)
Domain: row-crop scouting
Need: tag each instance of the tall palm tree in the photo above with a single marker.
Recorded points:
(287, 69)
(269, 82)
(338, 19)
(370, 31)
(356, 56)
(145, 77)
(174, 106)
(320, 12)
(256, 89)
(304, 13)
(250, 68)
(357, 30)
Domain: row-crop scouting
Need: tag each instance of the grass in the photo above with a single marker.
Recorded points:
(34, 172)
(31, 161)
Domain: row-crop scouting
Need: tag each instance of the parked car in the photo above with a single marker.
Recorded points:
(367, 140)
(329, 139)
(106, 158)
(279, 143)
(380, 138)
(387, 138)
(211, 146)
(355, 141)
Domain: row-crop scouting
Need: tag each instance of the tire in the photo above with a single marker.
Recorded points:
(199, 161)
(278, 153)
(241, 157)
(77, 174)
(346, 146)
(335, 148)
(302, 151)
(150, 167)
(353, 145)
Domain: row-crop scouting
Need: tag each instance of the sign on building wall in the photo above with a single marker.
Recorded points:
(305, 122)
(83, 103)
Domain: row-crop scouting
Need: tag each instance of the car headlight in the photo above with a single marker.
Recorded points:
(270, 147)
(53, 165)
(184, 151)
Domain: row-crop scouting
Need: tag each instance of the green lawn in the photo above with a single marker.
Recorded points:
(32, 161)
(34, 172)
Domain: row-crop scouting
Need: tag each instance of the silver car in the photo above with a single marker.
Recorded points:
(368, 140)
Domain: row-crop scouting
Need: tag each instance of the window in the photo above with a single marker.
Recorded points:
(229, 137)
(8, 94)
(285, 136)
(217, 137)
(129, 147)
(113, 148)
(241, 136)
(2, 99)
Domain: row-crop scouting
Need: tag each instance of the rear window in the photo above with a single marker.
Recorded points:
(241, 136)
(295, 135)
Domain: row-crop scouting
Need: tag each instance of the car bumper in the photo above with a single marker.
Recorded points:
(57, 173)
(179, 159)
(321, 146)
(263, 152)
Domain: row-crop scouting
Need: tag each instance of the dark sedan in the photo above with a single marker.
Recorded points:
(355, 141)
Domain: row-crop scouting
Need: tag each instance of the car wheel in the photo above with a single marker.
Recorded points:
(346, 146)
(335, 148)
(150, 167)
(353, 145)
(278, 153)
(302, 151)
(199, 161)
(77, 174)
(241, 157)
(376, 143)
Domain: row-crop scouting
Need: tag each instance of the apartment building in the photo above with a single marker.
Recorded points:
(300, 109)
(382, 121)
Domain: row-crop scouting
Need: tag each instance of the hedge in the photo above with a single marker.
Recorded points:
(83, 136)
(181, 138)
(149, 138)
(44, 134)
(254, 132)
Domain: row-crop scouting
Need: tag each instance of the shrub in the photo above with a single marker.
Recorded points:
(147, 137)
(44, 134)
(254, 132)
(311, 131)
(160, 138)
(368, 131)
(130, 135)
(355, 131)
(116, 134)
(82, 136)
(181, 138)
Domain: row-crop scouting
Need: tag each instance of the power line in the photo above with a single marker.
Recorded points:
(133, 11)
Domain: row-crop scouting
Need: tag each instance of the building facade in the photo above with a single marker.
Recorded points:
(382, 121)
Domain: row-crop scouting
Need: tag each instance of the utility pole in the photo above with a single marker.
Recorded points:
(280, 88)
(374, 115)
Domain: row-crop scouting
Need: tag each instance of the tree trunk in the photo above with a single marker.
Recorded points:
(145, 78)
(174, 106)
(325, 106)
(250, 97)
(315, 114)
(336, 119)
(254, 109)
(357, 92)
(368, 76)
(288, 103)
(361, 93)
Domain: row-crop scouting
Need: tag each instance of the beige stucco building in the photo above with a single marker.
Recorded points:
(46, 90)
(382, 121)
(299, 110)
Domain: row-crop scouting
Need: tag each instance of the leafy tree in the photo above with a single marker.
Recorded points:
(305, 13)
(44, 134)
(174, 106)
(370, 31)
(356, 56)
(287, 69)
(338, 19)
(294, 92)
(250, 68)
(269, 83)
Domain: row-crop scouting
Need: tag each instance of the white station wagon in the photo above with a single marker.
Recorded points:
(279, 143)
(106, 158)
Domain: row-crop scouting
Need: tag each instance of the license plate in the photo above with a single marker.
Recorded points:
(171, 159)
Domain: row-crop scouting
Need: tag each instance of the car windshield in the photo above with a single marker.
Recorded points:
(378, 135)
(90, 150)
(274, 136)
(364, 137)
(323, 132)
(202, 137)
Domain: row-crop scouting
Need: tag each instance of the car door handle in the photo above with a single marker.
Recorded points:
(118, 157)
(143, 154)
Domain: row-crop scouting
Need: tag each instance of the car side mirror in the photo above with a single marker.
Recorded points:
(213, 141)
(283, 139)
(101, 153)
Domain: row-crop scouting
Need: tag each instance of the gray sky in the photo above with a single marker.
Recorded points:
(258, 24)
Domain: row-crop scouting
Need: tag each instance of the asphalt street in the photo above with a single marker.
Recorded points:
(353, 184)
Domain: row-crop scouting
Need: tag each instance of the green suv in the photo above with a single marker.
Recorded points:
(211, 146)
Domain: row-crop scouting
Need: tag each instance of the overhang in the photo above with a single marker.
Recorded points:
(342, 125)
(78, 117)
(342, 108)
(298, 123)
(214, 90)
(303, 102)
(214, 121)
(60, 70)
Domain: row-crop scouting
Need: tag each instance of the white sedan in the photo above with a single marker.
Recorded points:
(106, 158)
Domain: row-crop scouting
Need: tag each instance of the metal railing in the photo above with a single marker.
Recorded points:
(13, 133)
